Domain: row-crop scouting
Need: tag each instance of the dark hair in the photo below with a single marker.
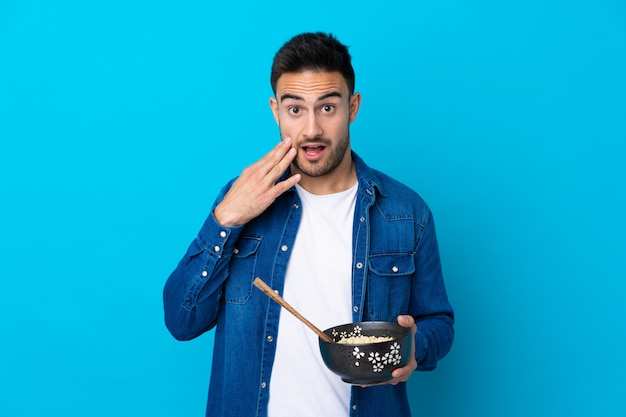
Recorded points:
(313, 51)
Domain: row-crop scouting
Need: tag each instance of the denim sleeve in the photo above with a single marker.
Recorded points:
(430, 307)
(192, 296)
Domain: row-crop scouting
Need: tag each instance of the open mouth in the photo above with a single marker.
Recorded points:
(313, 151)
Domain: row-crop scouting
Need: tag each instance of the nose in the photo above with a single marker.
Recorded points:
(313, 128)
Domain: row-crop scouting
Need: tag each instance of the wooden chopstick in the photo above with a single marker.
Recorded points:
(258, 282)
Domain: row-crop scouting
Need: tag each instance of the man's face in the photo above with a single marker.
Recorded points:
(315, 110)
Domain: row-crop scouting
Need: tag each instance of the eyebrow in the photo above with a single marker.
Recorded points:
(296, 97)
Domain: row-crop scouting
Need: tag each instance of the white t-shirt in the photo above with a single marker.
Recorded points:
(318, 284)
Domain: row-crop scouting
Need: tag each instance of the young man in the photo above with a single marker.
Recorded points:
(338, 240)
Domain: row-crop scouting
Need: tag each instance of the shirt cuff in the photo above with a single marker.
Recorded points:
(215, 238)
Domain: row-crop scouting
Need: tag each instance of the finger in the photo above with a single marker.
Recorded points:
(401, 372)
(406, 371)
(276, 155)
(406, 320)
(285, 185)
(273, 165)
(281, 166)
(290, 182)
(399, 375)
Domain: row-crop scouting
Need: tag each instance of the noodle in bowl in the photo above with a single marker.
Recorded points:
(359, 340)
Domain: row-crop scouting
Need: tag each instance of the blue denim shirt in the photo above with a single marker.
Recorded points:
(395, 270)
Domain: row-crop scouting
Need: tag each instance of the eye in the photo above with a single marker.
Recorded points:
(328, 108)
(293, 110)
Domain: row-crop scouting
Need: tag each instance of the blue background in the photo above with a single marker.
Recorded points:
(119, 122)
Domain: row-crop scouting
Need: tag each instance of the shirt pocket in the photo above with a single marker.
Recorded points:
(389, 285)
(238, 287)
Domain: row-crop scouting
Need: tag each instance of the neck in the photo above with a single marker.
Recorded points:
(340, 179)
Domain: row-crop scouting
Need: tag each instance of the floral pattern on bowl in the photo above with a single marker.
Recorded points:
(366, 363)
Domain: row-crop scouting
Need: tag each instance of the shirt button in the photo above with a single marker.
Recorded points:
(263, 384)
(270, 339)
(296, 206)
(235, 251)
(223, 233)
(362, 219)
(354, 407)
(204, 273)
(284, 248)
(356, 308)
(359, 265)
(216, 249)
(394, 269)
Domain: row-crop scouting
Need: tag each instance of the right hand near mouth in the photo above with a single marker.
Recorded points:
(256, 188)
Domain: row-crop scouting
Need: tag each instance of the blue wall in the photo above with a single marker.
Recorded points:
(119, 121)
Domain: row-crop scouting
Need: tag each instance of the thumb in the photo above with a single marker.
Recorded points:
(406, 320)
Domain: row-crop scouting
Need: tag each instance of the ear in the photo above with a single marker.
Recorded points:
(355, 104)
(274, 106)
